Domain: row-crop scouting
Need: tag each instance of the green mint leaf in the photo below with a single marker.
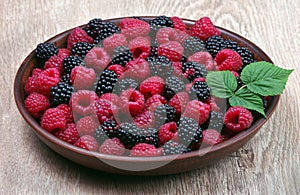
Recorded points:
(246, 98)
(264, 78)
(222, 83)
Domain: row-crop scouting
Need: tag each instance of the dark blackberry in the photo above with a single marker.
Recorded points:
(160, 21)
(106, 82)
(173, 85)
(80, 49)
(192, 45)
(121, 55)
(44, 51)
(93, 28)
(171, 148)
(189, 132)
(66, 79)
(256, 114)
(164, 114)
(183, 59)
(111, 128)
(100, 135)
(61, 94)
(246, 55)
(216, 121)
(160, 66)
(201, 90)
(154, 50)
(70, 63)
(239, 82)
(151, 137)
(214, 44)
(197, 70)
(230, 44)
(124, 84)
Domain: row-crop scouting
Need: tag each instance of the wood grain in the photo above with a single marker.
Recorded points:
(268, 164)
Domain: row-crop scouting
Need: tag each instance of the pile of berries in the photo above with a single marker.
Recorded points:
(137, 87)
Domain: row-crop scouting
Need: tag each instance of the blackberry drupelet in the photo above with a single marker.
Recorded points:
(160, 66)
(198, 70)
(61, 94)
(192, 45)
(239, 82)
(171, 148)
(100, 134)
(246, 55)
(106, 82)
(230, 44)
(70, 63)
(44, 51)
(66, 79)
(173, 85)
(121, 55)
(161, 21)
(183, 59)
(93, 28)
(80, 49)
(216, 121)
(189, 132)
(154, 51)
(124, 84)
(111, 128)
(214, 44)
(164, 114)
(201, 90)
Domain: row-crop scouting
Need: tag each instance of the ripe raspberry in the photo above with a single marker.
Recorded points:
(197, 110)
(140, 47)
(167, 34)
(56, 61)
(237, 119)
(151, 86)
(97, 58)
(87, 142)
(78, 35)
(47, 79)
(154, 101)
(204, 29)
(144, 119)
(105, 110)
(137, 69)
(160, 66)
(52, 119)
(118, 69)
(179, 102)
(82, 102)
(69, 134)
(113, 41)
(36, 104)
(113, 98)
(144, 150)
(172, 50)
(189, 132)
(113, 147)
(177, 69)
(167, 132)
(203, 58)
(106, 82)
(228, 59)
(132, 28)
(66, 109)
(36, 72)
(132, 101)
(172, 148)
(87, 125)
(44, 51)
(83, 77)
(178, 23)
(211, 137)
(80, 49)
(213, 104)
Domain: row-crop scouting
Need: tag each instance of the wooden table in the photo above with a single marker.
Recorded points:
(268, 164)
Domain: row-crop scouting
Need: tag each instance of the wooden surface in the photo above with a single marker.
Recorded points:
(268, 164)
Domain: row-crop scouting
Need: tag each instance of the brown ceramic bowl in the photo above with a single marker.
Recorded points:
(139, 165)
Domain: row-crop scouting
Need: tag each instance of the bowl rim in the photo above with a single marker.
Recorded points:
(168, 158)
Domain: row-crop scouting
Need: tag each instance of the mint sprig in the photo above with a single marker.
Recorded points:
(260, 79)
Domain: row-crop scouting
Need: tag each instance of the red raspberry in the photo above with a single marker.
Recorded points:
(113, 41)
(47, 79)
(31, 84)
(67, 111)
(167, 34)
(204, 28)
(167, 132)
(137, 69)
(78, 35)
(82, 102)
(182, 36)
(112, 146)
(237, 119)
(117, 69)
(151, 86)
(213, 104)
(83, 77)
(113, 98)
(64, 52)
(97, 58)
(87, 125)
(235, 74)
(36, 104)
(105, 110)
(36, 72)
(211, 137)
(140, 47)
(203, 58)
(172, 50)
(87, 142)
(57, 60)
(197, 110)
(178, 23)
(177, 69)
(68, 134)
(132, 101)
(179, 102)
(132, 28)
(143, 149)
(52, 119)
(228, 59)
(145, 119)
(154, 101)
